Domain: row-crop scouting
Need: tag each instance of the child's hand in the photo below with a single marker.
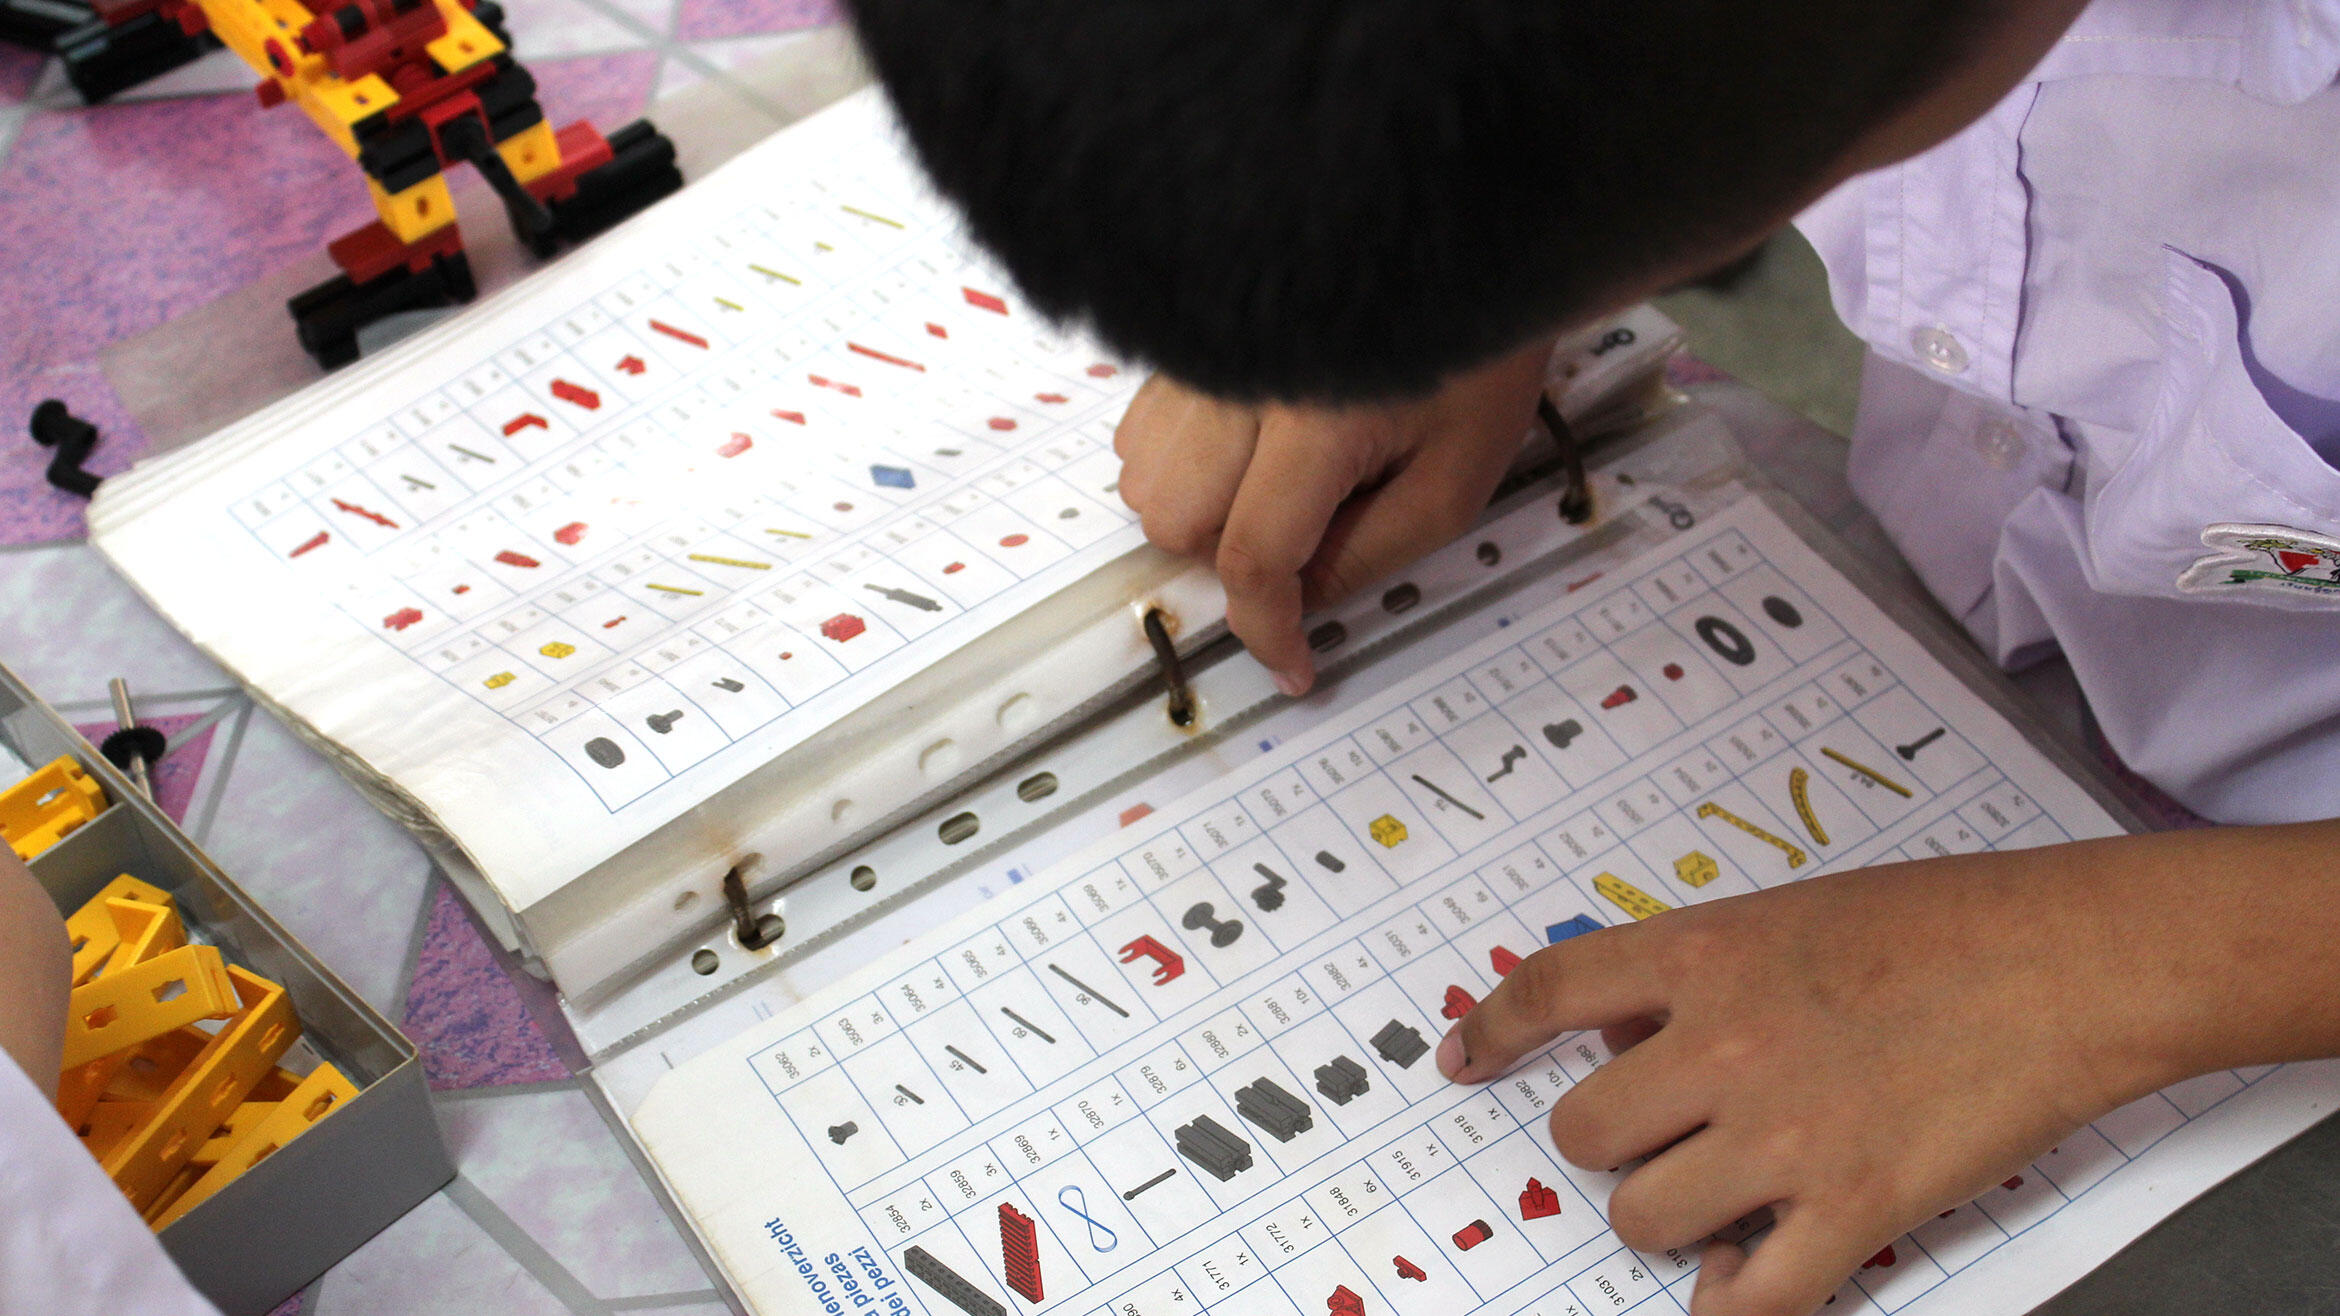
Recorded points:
(1299, 505)
(36, 974)
(1856, 1051)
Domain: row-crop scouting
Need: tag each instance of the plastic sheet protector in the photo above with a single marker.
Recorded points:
(565, 567)
(1190, 1070)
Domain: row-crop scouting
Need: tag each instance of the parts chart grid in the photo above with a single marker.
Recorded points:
(738, 476)
(1200, 1071)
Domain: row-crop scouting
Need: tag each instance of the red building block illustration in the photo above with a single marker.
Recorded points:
(1019, 1248)
(1168, 963)
(679, 335)
(1458, 1002)
(1472, 1234)
(1504, 960)
(576, 395)
(1536, 1201)
(1343, 1302)
(1408, 1270)
(844, 626)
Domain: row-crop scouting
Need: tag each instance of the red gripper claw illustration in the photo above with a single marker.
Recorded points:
(1458, 1003)
(1168, 963)
(1536, 1201)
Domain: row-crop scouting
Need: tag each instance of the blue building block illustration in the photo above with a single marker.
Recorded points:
(1575, 927)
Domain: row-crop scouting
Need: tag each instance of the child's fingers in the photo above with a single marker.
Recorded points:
(1591, 981)
(1790, 1271)
(1438, 495)
(1299, 474)
(1620, 1038)
(1636, 1105)
(1688, 1191)
(1183, 455)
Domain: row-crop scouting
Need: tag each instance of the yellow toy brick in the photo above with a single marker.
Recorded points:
(148, 1071)
(93, 928)
(199, 1100)
(144, 1001)
(275, 1085)
(317, 1096)
(111, 1121)
(147, 931)
(81, 1089)
(1387, 830)
(48, 806)
(240, 1121)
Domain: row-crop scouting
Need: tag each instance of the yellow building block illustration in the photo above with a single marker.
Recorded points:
(499, 680)
(1628, 897)
(48, 806)
(1696, 869)
(1871, 773)
(1795, 853)
(556, 649)
(1387, 830)
(319, 1094)
(200, 1099)
(141, 1002)
(1800, 791)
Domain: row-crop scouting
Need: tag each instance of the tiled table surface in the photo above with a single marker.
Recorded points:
(113, 220)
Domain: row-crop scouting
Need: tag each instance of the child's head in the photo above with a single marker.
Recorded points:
(1336, 199)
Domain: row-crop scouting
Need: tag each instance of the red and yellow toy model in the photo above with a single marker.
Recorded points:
(408, 88)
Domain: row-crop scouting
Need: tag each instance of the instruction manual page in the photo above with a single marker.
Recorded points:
(568, 566)
(1189, 1070)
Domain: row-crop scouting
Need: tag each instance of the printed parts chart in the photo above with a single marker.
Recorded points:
(704, 492)
(1192, 1072)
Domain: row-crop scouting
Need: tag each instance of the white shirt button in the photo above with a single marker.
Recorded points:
(1939, 350)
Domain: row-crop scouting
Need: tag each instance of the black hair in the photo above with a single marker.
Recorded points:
(1344, 199)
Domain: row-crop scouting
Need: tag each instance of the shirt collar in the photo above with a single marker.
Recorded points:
(2278, 50)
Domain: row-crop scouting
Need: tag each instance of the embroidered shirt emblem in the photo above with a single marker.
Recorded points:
(2265, 557)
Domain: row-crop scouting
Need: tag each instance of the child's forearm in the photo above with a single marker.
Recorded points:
(36, 974)
(2227, 942)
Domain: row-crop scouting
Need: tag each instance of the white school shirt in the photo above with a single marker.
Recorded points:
(69, 1243)
(2101, 411)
